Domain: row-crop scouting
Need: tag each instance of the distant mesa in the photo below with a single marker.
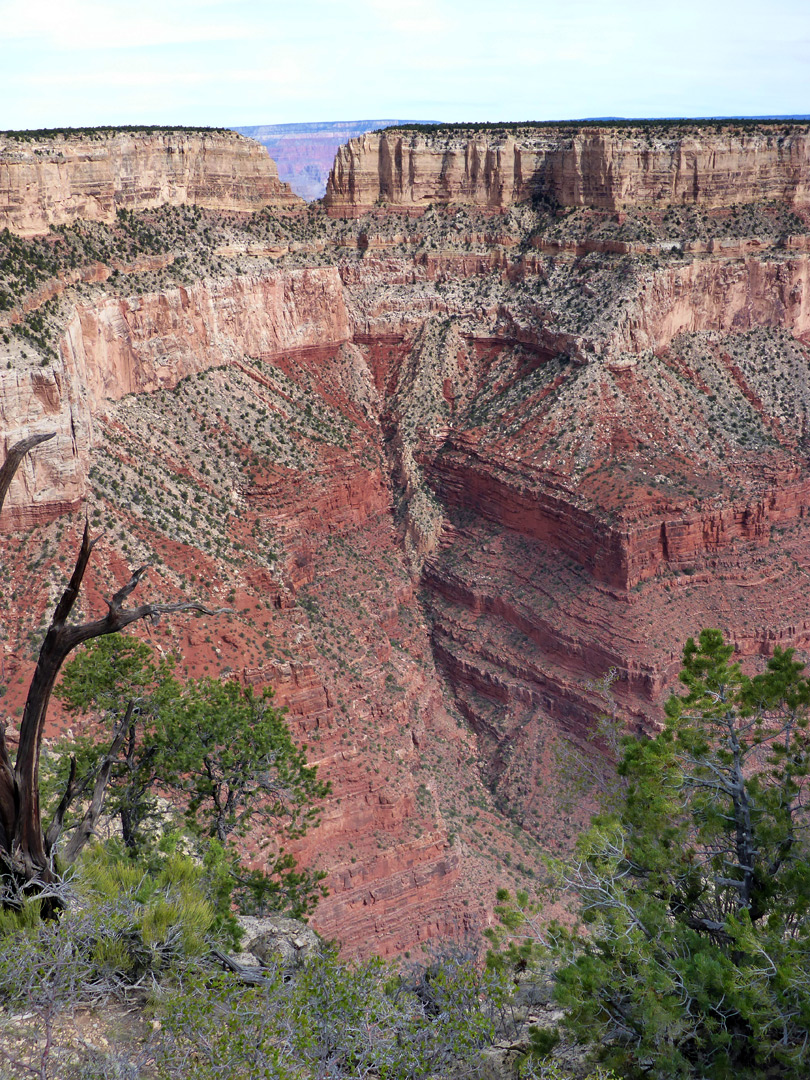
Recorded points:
(52, 177)
(304, 153)
(607, 165)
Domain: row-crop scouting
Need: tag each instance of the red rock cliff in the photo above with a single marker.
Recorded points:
(118, 346)
(583, 446)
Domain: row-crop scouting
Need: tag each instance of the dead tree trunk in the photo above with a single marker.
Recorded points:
(87, 827)
(24, 853)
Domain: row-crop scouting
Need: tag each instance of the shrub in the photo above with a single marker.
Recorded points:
(335, 1020)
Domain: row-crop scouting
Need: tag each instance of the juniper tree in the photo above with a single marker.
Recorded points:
(696, 891)
(26, 846)
(220, 751)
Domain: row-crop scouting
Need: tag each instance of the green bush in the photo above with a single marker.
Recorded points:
(333, 1019)
(696, 892)
(224, 752)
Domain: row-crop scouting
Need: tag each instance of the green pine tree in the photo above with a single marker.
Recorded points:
(219, 751)
(695, 959)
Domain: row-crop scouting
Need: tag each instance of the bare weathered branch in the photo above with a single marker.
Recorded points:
(72, 791)
(8, 802)
(14, 459)
(87, 826)
(130, 587)
(61, 639)
(243, 973)
(68, 598)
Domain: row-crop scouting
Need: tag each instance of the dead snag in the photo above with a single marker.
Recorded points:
(25, 851)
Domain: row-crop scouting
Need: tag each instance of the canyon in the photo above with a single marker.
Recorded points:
(304, 153)
(507, 412)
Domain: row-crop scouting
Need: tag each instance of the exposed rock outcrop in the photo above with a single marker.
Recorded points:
(276, 938)
(605, 168)
(53, 180)
(446, 477)
(304, 153)
(116, 347)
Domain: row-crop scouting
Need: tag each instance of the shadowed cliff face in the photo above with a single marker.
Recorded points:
(447, 470)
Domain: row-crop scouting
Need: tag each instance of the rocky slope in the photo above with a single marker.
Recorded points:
(114, 347)
(607, 168)
(51, 179)
(449, 470)
(227, 433)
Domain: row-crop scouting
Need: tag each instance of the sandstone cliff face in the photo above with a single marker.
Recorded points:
(55, 481)
(590, 167)
(727, 296)
(411, 172)
(116, 347)
(141, 344)
(53, 181)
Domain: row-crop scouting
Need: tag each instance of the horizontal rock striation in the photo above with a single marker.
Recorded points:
(115, 347)
(617, 554)
(724, 295)
(54, 180)
(603, 168)
(446, 476)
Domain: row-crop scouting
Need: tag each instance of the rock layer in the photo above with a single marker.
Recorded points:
(603, 168)
(445, 483)
(54, 180)
(116, 347)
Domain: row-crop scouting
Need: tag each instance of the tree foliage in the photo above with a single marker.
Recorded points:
(217, 749)
(228, 751)
(335, 1020)
(26, 847)
(117, 680)
(696, 892)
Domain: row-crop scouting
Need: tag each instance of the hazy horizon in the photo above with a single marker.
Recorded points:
(244, 63)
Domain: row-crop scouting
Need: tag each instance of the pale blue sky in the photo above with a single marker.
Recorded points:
(240, 62)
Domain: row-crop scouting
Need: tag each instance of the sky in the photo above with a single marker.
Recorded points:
(243, 62)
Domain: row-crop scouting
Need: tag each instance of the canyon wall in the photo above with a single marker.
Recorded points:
(623, 546)
(604, 168)
(304, 153)
(727, 295)
(53, 180)
(116, 346)
(447, 472)
(266, 349)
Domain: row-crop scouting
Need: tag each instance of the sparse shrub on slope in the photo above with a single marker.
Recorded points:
(335, 1019)
(129, 924)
